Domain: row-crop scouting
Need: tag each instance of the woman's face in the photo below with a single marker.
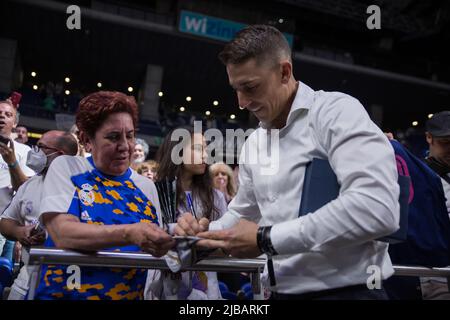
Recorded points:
(220, 179)
(138, 154)
(194, 156)
(148, 172)
(113, 144)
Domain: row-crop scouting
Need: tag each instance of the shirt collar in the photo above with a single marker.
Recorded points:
(304, 98)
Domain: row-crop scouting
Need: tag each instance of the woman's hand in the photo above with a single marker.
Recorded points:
(150, 238)
(187, 225)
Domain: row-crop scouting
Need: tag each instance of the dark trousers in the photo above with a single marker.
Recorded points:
(358, 292)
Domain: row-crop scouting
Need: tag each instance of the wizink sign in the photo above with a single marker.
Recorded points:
(213, 28)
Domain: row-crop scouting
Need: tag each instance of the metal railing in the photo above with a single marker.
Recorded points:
(113, 259)
(39, 256)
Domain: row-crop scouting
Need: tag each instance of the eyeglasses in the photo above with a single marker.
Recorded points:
(43, 147)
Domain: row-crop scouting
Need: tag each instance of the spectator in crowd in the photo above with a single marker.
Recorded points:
(81, 149)
(223, 179)
(140, 153)
(99, 203)
(324, 254)
(22, 134)
(438, 138)
(20, 219)
(49, 105)
(148, 169)
(13, 169)
(193, 182)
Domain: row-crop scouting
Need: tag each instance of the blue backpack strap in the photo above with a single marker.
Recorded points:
(428, 238)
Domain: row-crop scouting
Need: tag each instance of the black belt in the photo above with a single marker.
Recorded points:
(316, 294)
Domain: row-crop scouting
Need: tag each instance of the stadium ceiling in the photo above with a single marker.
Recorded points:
(117, 54)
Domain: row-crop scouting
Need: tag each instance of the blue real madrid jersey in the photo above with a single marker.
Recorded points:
(75, 184)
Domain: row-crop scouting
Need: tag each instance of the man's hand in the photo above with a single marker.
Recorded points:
(37, 238)
(187, 225)
(7, 152)
(239, 241)
(150, 238)
(24, 235)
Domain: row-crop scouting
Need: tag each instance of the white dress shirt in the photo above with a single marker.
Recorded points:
(334, 246)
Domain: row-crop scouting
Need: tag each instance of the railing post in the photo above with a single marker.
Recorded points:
(34, 281)
(255, 279)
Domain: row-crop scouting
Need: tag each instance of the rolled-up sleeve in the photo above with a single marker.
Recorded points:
(244, 204)
(364, 162)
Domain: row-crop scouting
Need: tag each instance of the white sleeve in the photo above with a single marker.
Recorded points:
(148, 187)
(244, 204)
(23, 162)
(364, 162)
(13, 210)
(59, 190)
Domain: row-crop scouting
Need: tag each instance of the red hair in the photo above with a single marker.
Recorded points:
(96, 107)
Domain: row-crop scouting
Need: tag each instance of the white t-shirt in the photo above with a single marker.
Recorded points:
(24, 207)
(21, 151)
(446, 186)
(74, 186)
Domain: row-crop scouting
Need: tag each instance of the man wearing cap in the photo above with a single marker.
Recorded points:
(438, 138)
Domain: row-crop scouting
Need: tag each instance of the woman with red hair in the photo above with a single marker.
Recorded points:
(99, 203)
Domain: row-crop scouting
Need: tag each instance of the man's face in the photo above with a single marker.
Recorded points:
(259, 88)
(47, 143)
(138, 154)
(7, 119)
(439, 148)
(22, 134)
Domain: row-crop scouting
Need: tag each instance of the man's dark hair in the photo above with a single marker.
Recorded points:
(258, 41)
(67, 143)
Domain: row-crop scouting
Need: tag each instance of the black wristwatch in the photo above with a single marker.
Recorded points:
(264, 242)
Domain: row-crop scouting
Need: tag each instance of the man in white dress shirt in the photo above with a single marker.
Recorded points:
(331, 253)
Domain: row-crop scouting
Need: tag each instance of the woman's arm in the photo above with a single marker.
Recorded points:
(67, 232)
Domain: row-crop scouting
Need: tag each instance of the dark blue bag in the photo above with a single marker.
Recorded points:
(428, 237)
(321, 186)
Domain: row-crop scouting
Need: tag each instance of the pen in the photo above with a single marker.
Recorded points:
(190, 204)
